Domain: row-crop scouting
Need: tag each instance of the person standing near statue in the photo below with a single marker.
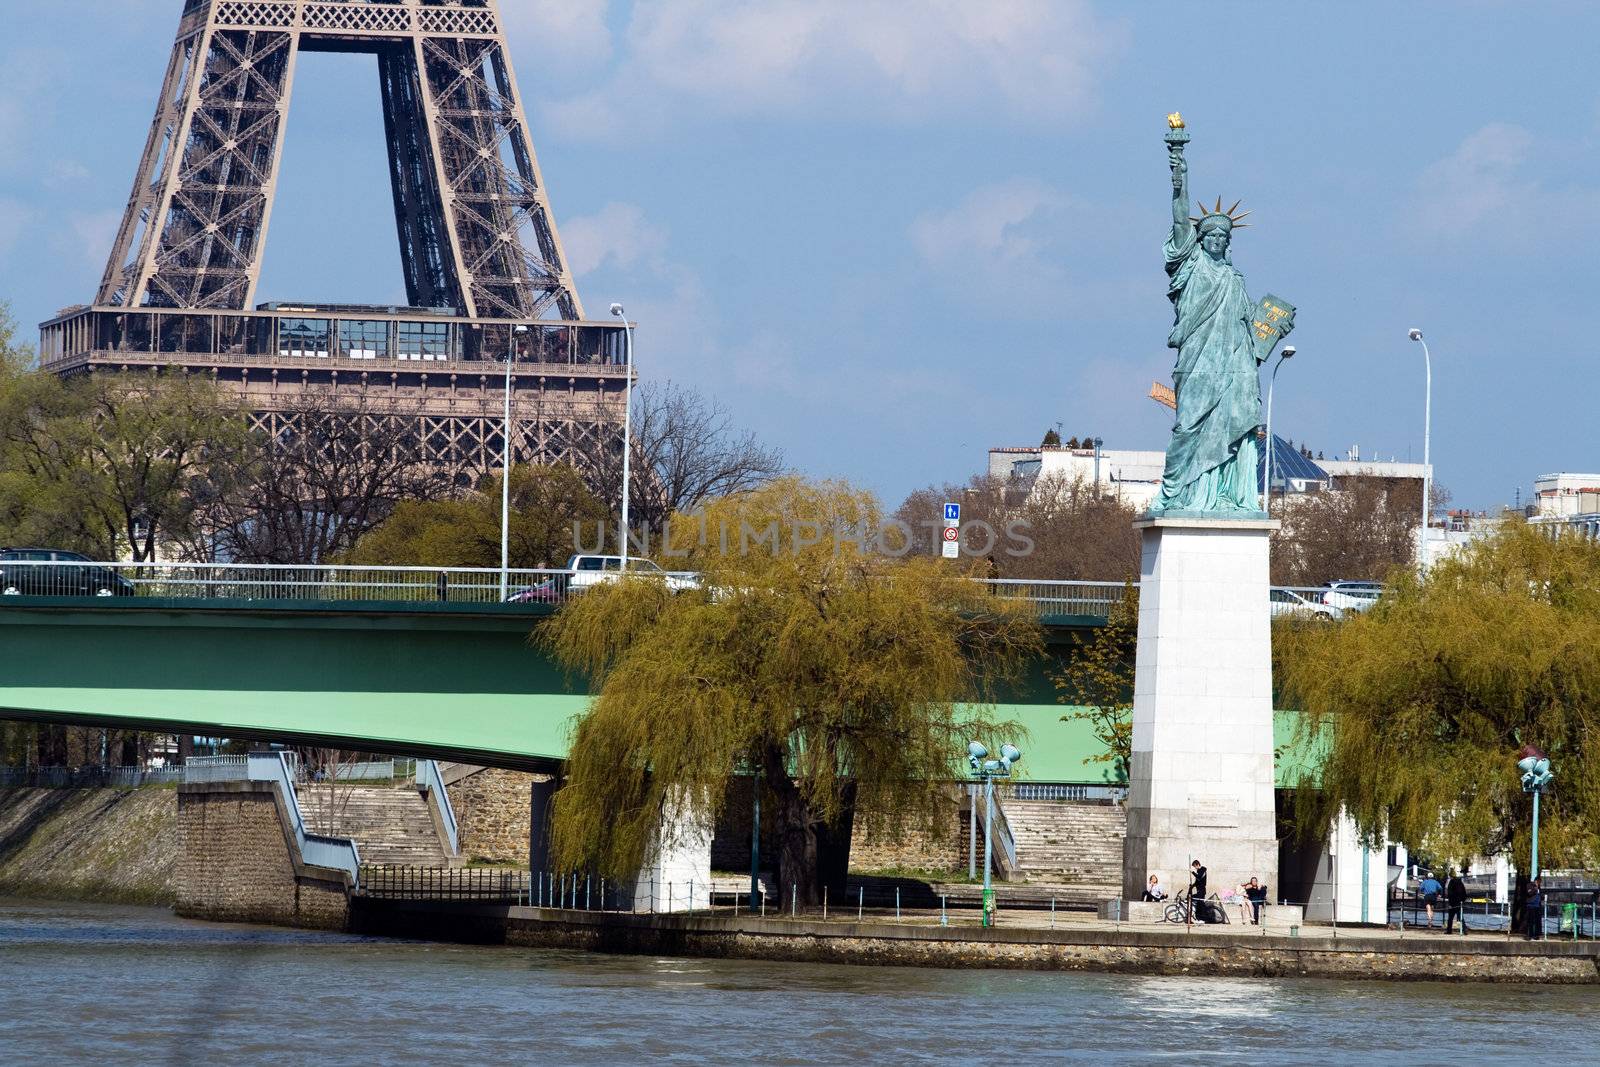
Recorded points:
(1221, 338)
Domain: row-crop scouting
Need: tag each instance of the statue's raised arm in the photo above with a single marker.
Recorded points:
(1177, 138)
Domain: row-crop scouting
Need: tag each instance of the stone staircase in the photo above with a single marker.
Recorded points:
(390, 825)
(1075, 846)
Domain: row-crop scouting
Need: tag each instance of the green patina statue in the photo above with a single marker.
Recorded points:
(1221, 338)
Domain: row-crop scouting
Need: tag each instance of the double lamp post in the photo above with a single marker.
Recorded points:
(506, 453)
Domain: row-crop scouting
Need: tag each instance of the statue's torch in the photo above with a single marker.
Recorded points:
(1177, 135)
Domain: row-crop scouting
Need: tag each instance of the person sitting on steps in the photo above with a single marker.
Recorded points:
(1153, 891)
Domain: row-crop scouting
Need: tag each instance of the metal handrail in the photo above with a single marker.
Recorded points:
(431, 782)
(346, 583)
(338, 853)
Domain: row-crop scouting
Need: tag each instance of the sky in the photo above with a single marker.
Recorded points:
(890, 234)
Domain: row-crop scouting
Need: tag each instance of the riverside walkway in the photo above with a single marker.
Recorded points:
(1077, 942)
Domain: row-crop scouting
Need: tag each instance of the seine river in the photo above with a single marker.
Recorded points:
(137, 986)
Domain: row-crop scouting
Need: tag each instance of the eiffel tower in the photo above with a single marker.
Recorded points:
(486, 279)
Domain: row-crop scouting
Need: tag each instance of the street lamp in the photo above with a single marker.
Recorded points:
(1427, 422)
(1287, 354)
(988, 770)
(1536, 777)
(627, 427)
(505, 471)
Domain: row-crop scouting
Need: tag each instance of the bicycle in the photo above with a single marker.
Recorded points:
(1180, 908)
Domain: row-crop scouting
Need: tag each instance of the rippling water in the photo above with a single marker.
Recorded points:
(136, 986)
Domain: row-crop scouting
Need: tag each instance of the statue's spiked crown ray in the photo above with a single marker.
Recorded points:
(1207, 214)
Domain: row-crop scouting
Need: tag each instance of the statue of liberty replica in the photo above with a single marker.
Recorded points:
(1221, 338)
(1201, 777)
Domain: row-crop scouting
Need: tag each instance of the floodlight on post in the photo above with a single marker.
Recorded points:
(1427, 469)
(988, 770)
(1536, 778)
(627, 426)
(1287, 354)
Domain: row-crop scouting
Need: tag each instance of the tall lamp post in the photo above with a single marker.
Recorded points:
(1536, 777)
(988, 770)
(505, 470)
(1284, 356)
(1427, 469)
(627, 427)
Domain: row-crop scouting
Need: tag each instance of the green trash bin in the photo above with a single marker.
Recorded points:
(988, 907)
(1569, 917)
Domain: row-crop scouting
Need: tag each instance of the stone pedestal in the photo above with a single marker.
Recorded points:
(1201, 779)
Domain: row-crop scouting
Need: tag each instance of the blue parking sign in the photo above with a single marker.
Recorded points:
(952, 513)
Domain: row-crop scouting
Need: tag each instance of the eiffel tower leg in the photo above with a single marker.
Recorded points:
(204, 191)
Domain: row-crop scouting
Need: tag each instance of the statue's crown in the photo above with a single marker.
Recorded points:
(1218, 218)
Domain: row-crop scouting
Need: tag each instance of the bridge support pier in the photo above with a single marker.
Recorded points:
(540, 794)
(1201, 781)
(678, 874)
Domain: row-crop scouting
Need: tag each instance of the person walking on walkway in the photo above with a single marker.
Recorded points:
(1533, 913)
(1455, 896)
(1430, 890)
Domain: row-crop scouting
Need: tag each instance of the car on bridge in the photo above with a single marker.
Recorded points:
(1352, 596)
(584, 572)
(1290, 602)
(57, 572)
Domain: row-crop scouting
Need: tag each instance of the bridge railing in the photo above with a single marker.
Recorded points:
(277, 582)
(1060, 597)
(338, 853)
(431, 782)
(273, 584)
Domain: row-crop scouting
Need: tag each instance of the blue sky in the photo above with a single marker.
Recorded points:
(889, 234)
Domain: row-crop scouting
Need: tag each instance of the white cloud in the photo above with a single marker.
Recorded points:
(618, 235)
(999, 238)
(69, 170)
(1481, 179)
(15, 217)
(567, 36)
(997, 222)
(900, 60)
(94, 232)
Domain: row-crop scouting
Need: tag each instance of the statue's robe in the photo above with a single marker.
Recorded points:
(1211, 459)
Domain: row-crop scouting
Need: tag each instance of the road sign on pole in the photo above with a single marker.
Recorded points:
(952, 531)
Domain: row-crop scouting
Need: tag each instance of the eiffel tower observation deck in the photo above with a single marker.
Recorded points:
(486, 278)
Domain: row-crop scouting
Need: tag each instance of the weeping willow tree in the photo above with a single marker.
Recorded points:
(1418, 709)
(844, 677)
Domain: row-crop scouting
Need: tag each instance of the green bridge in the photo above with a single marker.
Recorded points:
(454, 677)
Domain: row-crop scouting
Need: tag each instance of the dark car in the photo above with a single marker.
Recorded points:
(552, 590)
(55, 572)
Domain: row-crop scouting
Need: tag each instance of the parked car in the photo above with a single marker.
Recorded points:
(56, 572)
(586, 571)
(1288, 602)
(1352, 596)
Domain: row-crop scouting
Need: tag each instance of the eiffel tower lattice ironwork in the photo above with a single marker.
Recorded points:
(491, 303)
(475, 226)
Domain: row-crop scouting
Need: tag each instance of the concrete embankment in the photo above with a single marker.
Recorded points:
(116, 846)
(1090, 948)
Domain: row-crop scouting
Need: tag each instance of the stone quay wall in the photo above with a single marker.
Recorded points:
(237, 861)
(491, 809)
(115, 846)
(936, 846)
(884, 944)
